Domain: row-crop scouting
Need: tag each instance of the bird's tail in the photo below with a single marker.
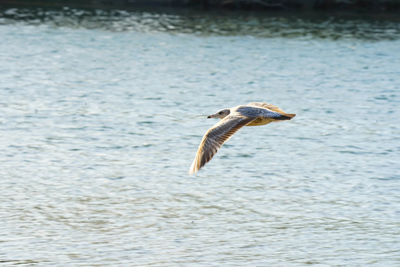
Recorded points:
(286, 116)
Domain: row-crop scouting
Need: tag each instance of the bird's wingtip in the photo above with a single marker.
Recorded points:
(192, 172)
(193, 168)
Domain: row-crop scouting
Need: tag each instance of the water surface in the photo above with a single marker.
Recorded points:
(101, 115)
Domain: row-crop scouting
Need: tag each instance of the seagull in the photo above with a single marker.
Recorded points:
(232, 119)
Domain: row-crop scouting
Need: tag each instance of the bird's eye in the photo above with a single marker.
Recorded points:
(220, 113)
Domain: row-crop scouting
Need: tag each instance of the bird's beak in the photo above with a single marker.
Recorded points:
(211, 116)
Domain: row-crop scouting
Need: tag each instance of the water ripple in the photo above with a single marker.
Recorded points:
(267, 25)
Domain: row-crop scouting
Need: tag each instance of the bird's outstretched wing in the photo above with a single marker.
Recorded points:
(268, 106)
(215, 137)
(274, 108)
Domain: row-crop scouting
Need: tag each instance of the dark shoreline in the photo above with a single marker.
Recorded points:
(375, 6)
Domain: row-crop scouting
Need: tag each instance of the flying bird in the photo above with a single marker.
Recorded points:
(232, 119)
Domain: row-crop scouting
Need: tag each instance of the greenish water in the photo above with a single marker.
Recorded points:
(102, 113)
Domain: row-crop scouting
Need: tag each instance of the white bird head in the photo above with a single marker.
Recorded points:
(220, 114)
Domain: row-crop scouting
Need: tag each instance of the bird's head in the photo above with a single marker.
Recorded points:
(220, 114)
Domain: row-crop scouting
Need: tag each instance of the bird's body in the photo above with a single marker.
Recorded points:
(232, 119)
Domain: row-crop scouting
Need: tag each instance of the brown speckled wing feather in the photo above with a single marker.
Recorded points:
(268, 106)
(272, 108)
(215, 137)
